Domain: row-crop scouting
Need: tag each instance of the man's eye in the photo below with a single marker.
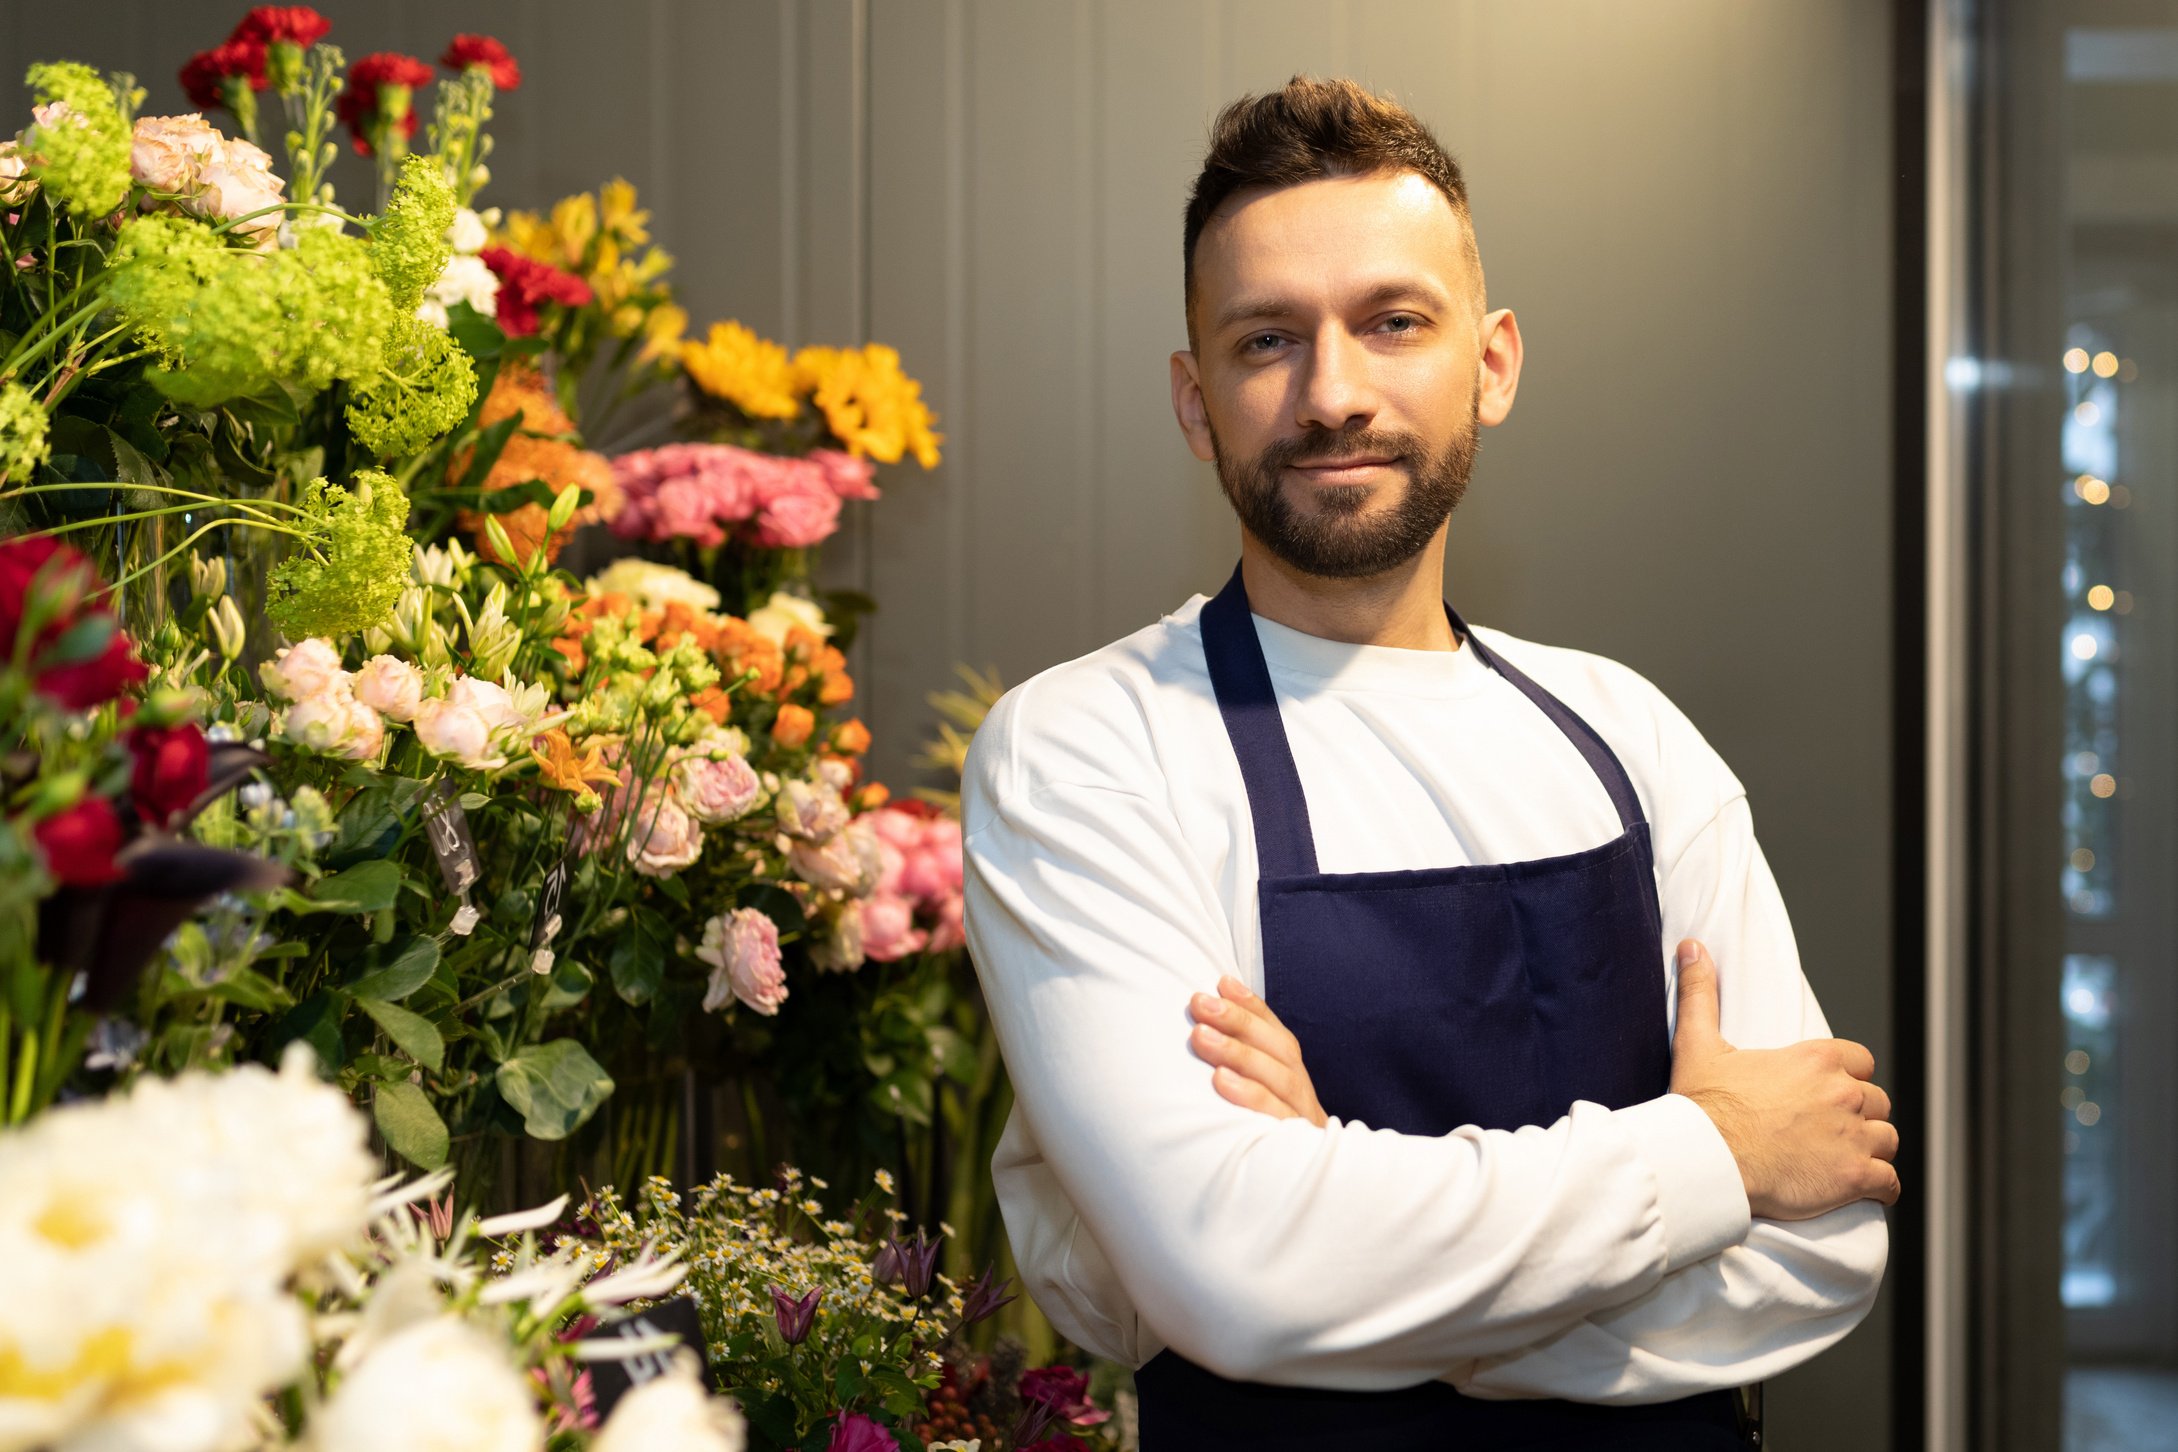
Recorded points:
(1402, 323)
(1261, 343)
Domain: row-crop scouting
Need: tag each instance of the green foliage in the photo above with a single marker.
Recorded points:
(357, 562)
(425, 387)
(81, 152)
(555, 1087)
(23, 425)
(411, 1126)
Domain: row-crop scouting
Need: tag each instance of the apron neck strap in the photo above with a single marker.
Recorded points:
(1285, 843)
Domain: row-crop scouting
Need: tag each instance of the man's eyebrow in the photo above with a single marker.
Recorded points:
(1270, 309)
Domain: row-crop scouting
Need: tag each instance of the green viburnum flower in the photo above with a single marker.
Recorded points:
(357, 562)
(408, 244)
(231, 323)
(424, 388)
(23, 422)
(79, 152)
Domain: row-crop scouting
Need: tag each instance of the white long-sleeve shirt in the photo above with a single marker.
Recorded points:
(1111, 873)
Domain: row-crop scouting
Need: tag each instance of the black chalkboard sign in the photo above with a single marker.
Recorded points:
(678, 1318)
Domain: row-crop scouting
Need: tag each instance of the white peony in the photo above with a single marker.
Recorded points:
(673, 1411)
(652, 586)
(783, 612)
(147, 1242)
(439, 1386)
(468, 233)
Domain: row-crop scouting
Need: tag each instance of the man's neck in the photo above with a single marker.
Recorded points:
(1403, 607)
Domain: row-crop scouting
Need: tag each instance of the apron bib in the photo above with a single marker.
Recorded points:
(1493, 995)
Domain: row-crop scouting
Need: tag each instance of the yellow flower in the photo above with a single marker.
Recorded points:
(619, 215)
(870, 405)
(565, 770)
(663, 328)
(574, 221)
(750, 372)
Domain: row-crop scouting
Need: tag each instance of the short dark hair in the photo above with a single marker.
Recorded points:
(1308, 130)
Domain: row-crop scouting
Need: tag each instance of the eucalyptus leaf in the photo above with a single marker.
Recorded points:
(555, 1086)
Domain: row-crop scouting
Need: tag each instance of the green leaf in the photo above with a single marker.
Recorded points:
(412, 1033)
(411, 1126)
(555, 1086)
(569, 985)
(363, 888)
(398, 969)
(130, 466)
(251, 990)
(316, 1022)
(479, 336)
(637, 965)
(490, 444)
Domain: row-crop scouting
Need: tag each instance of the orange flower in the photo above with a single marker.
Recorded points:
(838, 689)
(851, 738)
(794, 725)
(542, 446)
(714, 703)
(871, 797)
(564, 770)
(570, 646)
(678, 622)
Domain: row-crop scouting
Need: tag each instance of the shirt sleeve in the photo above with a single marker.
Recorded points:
(1274, 1250)
(1792, 1288)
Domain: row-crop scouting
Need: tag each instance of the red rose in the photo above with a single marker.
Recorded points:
(466, 51)
(379, 83)
(278, 24)
(172, 770)
(525, 284)
(203, 79)
(80, 685)
(62, 577)
(79, 843)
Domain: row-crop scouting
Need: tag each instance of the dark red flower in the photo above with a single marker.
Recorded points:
(204, 80)
(43, 572)
(378, 94)
(278, 24)
(79, 843)
(795, 1314)
(1063, 1390)
(173, 768)
(525, 284)
(857, 1433)
(467, 51)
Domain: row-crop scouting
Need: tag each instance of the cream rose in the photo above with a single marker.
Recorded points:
(390, 686)
(448, 728)
(298, 672)
(783, 612)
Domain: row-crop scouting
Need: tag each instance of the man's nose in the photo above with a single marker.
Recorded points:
(1335, 389)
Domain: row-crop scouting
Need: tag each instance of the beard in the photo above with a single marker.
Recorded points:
(1334, 535)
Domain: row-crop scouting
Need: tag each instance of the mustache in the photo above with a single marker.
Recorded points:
(1322, 447)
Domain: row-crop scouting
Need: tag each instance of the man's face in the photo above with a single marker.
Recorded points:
(1341, 367)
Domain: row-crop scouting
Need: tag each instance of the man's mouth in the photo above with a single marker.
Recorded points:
(1345, 471)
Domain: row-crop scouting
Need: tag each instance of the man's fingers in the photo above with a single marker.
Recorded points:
(1884, 1185)
(1247, 1018)
(1248, 1094)
(1883, 1141)
(1698, 1023)
(1854, 1058)
(1874, 1103)
(1244, 1059)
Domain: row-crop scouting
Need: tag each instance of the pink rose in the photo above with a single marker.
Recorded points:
(743, 950)
(810, 811)
(298, 672)
(844, 474)
(391, 687)
(665, 838)
(334, 722)
(681, 509)
(448, 728)
(489, 700)
(837, 946)
(798, 516)
(933, 869)
(164, 151)
(950, 931)
(716, 791)
(366, 732)
(888, 929)
(845, 862)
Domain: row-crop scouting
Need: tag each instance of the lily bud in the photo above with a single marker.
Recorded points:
(207, 577)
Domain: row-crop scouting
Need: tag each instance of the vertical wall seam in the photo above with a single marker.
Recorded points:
(790, 192)
(659, 183)
(961, 325)
(1088, 275)
(865, 523)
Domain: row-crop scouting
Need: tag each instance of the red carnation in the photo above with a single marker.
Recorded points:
(465, 52)
(81, 685)
(282, 25)
(209, 72)
(79, 843)
(525, 284)
(378, 94)
(173, 768)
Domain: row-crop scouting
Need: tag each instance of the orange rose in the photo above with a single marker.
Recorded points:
(794, 726)
(851, 738)
(838, 689)
(714, 703)
(871, 797)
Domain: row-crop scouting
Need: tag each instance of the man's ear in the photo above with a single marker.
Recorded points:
(1187, 405)
(1501, 355)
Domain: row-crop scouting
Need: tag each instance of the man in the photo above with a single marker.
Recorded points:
(1434, 1165)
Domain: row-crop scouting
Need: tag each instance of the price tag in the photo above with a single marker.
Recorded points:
(446, 826)
(547, 926)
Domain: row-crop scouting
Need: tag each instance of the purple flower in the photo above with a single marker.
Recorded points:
(857, 1433)
(886, 1270)
(795, 1316)
(984, 1297)
(1065, 1391)
(913, 1262)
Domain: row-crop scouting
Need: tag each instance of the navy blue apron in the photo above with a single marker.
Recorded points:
(1493, 995)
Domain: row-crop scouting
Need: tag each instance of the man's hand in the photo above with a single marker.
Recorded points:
(1809, 1129)
(1258, 1061)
